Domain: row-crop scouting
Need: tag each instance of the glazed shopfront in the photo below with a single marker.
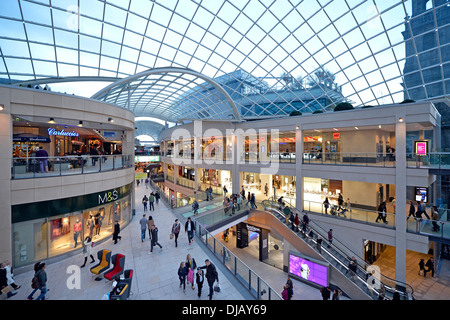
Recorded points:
(52, 228)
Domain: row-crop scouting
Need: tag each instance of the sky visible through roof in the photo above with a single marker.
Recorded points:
(359, 41)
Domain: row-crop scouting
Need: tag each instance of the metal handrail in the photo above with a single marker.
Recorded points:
(390, 284)
(202, 233)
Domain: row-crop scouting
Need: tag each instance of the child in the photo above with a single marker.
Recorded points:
(182, 273)
(199, 278)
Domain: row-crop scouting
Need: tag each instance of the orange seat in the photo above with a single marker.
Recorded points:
(104, 256)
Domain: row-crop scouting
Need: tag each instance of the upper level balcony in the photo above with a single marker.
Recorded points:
(36, 167)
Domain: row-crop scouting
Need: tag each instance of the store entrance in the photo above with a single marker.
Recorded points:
(260, 243)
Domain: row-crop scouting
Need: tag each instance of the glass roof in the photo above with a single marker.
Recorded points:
(271, 57)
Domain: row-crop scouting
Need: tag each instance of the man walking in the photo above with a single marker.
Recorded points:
(154, 240)
(143, 223)
(151, 200)
(211, 276)
(189, 227)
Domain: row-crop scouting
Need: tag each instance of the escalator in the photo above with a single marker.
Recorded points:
(367, 278)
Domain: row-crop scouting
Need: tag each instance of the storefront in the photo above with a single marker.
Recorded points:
(59, 139)
(39, 234)
(277, 185)
(215, 179)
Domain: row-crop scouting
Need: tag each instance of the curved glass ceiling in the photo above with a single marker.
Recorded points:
(271, 57)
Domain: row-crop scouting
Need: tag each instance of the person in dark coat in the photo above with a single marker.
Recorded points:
(116, 232)
(154, 238)
(211, 276)
(199, 278)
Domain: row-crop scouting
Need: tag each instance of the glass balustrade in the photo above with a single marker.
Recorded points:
(246, 276)
(35, 167)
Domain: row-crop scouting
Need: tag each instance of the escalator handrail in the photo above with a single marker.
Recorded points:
(360, 263)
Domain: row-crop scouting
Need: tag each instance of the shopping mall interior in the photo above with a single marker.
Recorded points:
(305, 140)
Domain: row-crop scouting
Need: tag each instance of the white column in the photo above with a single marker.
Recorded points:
(235, 171)
(298, 168)
(400, 191)
(5, 176)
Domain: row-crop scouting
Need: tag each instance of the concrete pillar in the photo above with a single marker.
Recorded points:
(298, 168)
(400, 192)
(235, 171)
(5, 176)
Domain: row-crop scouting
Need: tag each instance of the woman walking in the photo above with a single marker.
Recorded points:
(87, 250)
(176, 227)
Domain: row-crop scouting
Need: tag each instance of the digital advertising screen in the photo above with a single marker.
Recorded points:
(421, 148)
(421, 194)
(308, 270)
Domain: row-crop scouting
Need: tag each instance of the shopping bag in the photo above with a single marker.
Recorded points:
(6, 290)
(171, 236)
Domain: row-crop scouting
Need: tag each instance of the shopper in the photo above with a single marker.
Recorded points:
(157, 196)
(422, 266)
(176, 227)
(191, 266)
(147, 182)
(225, 190)
(330, 237)
(211, 276)
(326, 205)
(154, 239)
(42, 156)
(319, 244)
(336, 294)
(296, 222)
(430, 266)
(151, 200)
(290, 288)
(87, 250)
(266, 190)
(116, 232)
(143, 223)
(326, 292)
(435, 218)
(412, 210)
(4, 287)
(150, 223)
(195, 207)
(42, 278)
(340, 202)
(189, 228)
(10, 275)
(36, 269)
(199, 278)
(145, 202)
(182, 274)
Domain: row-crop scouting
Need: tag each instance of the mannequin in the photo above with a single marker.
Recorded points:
(87, 250)
(76, 231)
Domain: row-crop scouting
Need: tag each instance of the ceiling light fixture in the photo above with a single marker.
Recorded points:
(51, 120)
(80, 124)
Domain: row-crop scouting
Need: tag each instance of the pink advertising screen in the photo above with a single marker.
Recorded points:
(421, 147)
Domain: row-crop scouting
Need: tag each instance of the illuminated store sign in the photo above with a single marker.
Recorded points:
(55, 132)
(108, 197)
(146, 159)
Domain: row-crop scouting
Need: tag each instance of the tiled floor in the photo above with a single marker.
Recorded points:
(155, 274)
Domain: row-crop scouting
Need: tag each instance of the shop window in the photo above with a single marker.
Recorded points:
(29, 241)
(65, 233)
